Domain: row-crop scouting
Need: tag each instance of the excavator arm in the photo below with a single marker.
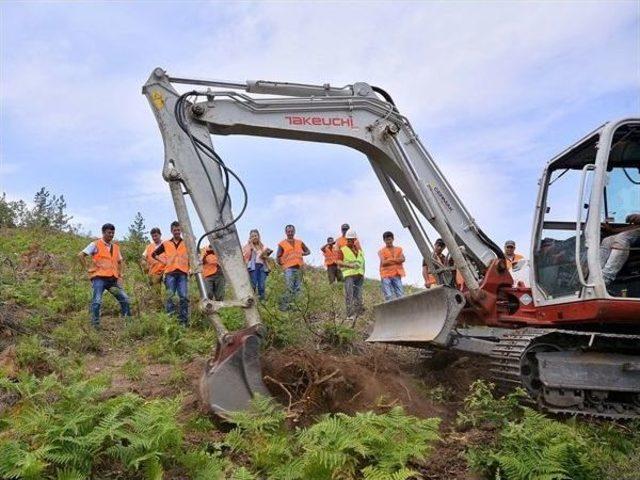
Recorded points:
(358, 116)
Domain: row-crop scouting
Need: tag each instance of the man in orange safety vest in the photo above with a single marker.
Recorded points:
(289, 257)
(176, 272)
(105, 272)
(391, 268)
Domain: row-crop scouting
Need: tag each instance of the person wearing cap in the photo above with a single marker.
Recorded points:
(329, 250)
(391, 268)
(350, 259)
(342, 239)
(510, 254)
(438, 261)
(289, 257)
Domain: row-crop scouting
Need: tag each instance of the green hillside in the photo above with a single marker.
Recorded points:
(123, 402)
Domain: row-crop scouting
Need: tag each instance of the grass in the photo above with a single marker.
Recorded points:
(77, 403)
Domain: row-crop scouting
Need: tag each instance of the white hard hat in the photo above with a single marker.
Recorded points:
(351, 234)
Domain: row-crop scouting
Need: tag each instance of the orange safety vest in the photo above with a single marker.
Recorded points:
(177, 257)
(390, 270)
(155, 266)
(330, 256)
(442, 260)
(516, 258)
(209, 262)
(342, 242)
(291, 254)
(105, 260)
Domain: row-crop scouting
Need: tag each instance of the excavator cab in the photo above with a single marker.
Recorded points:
(586, 244)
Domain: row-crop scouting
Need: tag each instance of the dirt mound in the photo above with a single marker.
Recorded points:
(311, 383)
(35, 259)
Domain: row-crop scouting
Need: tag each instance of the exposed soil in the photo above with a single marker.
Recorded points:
(312, 383)
(11, 318)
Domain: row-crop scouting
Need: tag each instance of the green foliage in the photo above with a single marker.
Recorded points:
(48, 212)
(367, 445)
(232, 318)
(8, 212)
(62, 430)
(203, 465)
(480, 406)
(76, 335)
(133, 369)
(174, 341)
(137, 230)
(33, 355)
(531, 446)
(539, 448)
(338, 335)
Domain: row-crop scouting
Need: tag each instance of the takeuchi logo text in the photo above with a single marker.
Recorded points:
(320, 121)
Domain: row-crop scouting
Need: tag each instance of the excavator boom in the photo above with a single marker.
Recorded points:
(480, 319)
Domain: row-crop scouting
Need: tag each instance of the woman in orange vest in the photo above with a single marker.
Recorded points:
(330, 252)
(391, 268)
(212, 273)
(105, 272)
(176, 272)
(255, 256)
(289, 256)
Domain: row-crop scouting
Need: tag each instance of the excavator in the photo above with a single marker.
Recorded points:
(569, 336)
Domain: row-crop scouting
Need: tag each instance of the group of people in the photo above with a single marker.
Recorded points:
(168, 262)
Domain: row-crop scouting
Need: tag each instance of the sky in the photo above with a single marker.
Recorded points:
(494, 89)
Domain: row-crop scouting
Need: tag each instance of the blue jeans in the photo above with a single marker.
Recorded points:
(258, 279)
(177, 283)
(392, 288)
(100, 284)
(293, 281)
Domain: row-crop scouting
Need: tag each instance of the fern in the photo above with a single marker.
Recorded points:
(539, 448)
(481, 406)
(202, 465)
(366, 445)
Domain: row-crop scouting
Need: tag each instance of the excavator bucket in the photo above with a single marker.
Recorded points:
(419, 319)
(234, 375)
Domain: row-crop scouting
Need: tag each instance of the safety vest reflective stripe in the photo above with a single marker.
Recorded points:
(105, 260)
(291, 254)
(394, 270)
(349, 257)
(330, 256)
(155, 266)
(209, 263)
(177, 257)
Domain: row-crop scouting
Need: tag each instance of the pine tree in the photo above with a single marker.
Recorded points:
(137, 230)
(49, 211)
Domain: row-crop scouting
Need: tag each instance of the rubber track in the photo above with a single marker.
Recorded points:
(505, 369)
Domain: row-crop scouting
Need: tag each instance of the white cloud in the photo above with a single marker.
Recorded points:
(484, 83)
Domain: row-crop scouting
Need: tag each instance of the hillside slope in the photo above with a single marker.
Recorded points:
(123, 402)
